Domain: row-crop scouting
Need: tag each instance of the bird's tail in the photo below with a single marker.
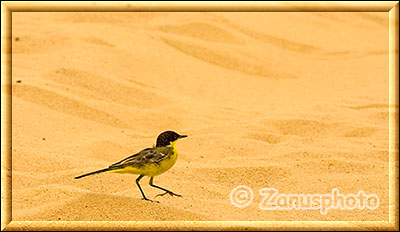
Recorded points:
(92, 173)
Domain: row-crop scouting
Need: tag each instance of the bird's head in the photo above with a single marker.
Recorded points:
(168, 137)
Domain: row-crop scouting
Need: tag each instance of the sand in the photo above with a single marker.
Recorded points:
(292, 101)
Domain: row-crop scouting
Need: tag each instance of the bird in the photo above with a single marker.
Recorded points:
(148, 162)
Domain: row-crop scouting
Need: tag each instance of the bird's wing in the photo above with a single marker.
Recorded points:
(162, 153)
(148, 155)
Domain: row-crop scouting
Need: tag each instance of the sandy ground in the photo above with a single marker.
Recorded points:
(292, 101)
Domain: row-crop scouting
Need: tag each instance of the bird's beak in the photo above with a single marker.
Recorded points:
(182, 136)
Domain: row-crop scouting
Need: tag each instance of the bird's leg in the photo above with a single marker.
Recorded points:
(166, 190)
(144, 196)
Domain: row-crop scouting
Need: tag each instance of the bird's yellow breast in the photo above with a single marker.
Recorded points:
(152, 169)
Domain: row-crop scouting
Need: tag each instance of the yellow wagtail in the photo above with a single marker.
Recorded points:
(148, 162)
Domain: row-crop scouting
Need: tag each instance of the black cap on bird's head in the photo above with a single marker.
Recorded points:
(165, 138)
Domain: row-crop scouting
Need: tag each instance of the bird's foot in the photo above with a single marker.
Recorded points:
(147, 199)
(168, 192)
